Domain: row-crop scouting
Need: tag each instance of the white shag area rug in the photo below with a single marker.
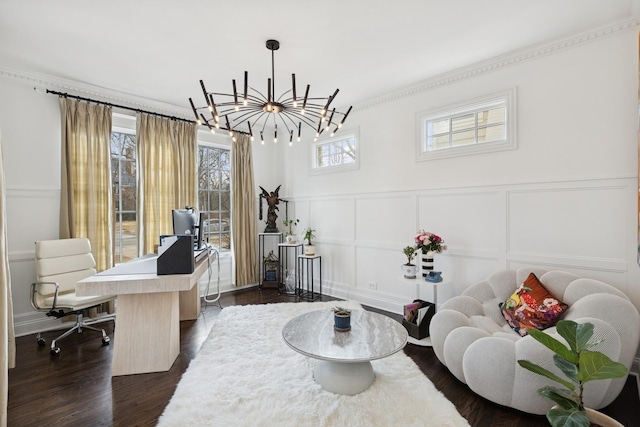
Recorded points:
(245, 375)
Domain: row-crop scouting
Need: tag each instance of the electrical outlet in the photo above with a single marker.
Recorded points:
(373, 285)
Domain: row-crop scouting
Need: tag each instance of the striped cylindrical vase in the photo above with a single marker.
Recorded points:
(427, 263)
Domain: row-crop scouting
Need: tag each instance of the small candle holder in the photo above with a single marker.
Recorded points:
(341, 319)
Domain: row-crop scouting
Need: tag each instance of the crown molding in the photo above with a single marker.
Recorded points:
(502, 61)
(42, 82)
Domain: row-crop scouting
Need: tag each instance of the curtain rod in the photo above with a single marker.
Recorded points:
(109, 104)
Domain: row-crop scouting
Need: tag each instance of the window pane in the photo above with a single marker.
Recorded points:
(437, 127)
(463, 138)
(225, 201)
(492, 133)
(492, 116)
(225, 160)
(463, 122)
(438, 142)
(215, 182)
(126, 240)
(128, 195)
(225, 182)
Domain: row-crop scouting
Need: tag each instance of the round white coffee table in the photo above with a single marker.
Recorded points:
(344, 358)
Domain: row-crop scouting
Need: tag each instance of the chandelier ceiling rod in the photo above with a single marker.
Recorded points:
(258, 109)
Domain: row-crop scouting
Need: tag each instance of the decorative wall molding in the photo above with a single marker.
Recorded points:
(41, 82)
(502, 61)
(32, 193)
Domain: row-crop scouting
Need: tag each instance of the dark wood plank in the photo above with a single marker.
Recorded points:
(76, 388)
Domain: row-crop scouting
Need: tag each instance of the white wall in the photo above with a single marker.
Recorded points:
(564, 199)
(30, 126)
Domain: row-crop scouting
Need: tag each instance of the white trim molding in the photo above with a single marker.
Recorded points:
(502, 61)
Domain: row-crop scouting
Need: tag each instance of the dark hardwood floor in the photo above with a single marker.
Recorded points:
(76, 388)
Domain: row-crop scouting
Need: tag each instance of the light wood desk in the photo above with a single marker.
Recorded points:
(149, 311)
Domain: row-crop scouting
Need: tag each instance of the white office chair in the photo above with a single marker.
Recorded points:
(60, 264)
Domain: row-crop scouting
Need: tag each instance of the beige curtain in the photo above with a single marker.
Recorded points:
(166, 175)
(243, 221)
(7, 338)
(86, 206)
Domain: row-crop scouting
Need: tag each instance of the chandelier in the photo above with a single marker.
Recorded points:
(249, 110)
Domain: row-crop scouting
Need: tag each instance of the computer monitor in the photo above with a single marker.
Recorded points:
(185, 221)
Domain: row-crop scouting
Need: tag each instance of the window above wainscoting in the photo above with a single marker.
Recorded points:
(476, 126)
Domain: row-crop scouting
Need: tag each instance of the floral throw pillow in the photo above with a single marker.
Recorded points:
(531, 306)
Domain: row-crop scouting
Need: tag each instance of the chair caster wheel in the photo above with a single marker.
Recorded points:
(41, 342)
(106, 341)
(55, 351)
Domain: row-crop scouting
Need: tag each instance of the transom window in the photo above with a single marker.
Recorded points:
(481, 125)
(335, 154)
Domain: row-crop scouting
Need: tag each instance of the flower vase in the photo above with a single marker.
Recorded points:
(409, 271)
(427, 263)
(290, 283)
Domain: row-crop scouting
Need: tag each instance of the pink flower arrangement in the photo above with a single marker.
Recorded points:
(427, 241)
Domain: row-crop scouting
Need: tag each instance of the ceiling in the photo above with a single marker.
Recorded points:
(160, 49)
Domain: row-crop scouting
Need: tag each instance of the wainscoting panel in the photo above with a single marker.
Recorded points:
(332, 219)
(337, 266)
(386, 220)
(577, 226)
(580, 226)
(469, 222)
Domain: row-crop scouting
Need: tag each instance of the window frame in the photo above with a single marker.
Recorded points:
(343, 135)
(506, 97)
(123, 123)
(201, 142)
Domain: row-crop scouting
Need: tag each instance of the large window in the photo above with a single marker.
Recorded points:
(214, 194)
(335, 154)
(123, 170)
(480, 125)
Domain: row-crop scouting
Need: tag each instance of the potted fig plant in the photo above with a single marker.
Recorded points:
(341, 319)
(309, 248)
(289, 235)
(580, 365)
(409, 269)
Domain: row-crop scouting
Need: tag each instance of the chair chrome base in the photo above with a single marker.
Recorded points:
(80, 326)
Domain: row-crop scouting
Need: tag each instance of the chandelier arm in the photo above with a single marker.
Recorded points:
(301, 120)
(284, 122)
(247, 116)
(291, 117)
(283, 94)
(262, 97)
(249, 96)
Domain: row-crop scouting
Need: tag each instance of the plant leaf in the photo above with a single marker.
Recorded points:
(536, 369)
(565, 398)
(597, 366)
(567, 368)
(567, 417)
(576, 335)
(553, 344)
